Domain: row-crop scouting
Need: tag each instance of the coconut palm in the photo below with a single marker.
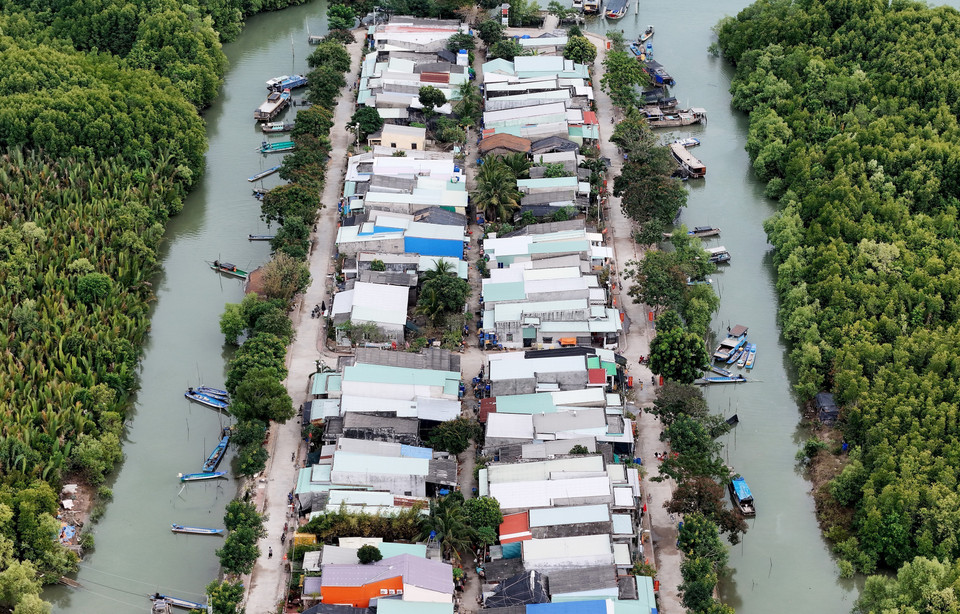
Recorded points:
(447, 523)
(496, 194)
(518, 164)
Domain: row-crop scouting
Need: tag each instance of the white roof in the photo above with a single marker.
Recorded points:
(379, 303)
(550, 516)
(592, 397)
(621, 555)
(343, 302)
(591, 420)
(510, 426)
(439, 410)
(541, 470)
(403, 408)
(623, 497)
(364, 446)
(538, 63)
(565, 552)
(368, 463)
(547, 493)
(513, 365)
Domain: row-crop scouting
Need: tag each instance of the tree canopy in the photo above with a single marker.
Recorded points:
(580, 50)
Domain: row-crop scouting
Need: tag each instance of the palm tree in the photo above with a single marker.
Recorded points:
(518, 164)
(469, 106)
(447, 523)
(496, 194)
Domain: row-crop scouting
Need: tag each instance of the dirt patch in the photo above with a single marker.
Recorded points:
(255, 281)
(835, 520)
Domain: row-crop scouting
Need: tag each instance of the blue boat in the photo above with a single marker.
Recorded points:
(720, 371)
(742, 497)
(721, 379)
(178, 602)
(658, 74)
(263, 174)
(285, 82)
(179, 528)
(203, 399)
(217, 455)
(751, 355)
(280, 147)
(736, 337)
(736, 355)
(743, 356)
(216, 393)
(197, 477)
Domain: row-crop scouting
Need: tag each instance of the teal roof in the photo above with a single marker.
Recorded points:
(388, 549)
(499, 64)
(349, 188)
(555, 247)
(325, 383)
(382, 374)
(541, 403)
(507, 291)
(622, 524)
(396, 606)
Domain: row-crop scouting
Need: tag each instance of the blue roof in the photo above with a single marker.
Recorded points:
(415, 452)
(741, 489)
(569, 607)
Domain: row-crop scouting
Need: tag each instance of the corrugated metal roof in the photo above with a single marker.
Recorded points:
(577, 514)
(325, 383)
(579, 607)
(509, 426)
(348, 462)
(374, 374)
(398, 606)
(515, 528)
(547, 493)
(622, 524)
(568, 551)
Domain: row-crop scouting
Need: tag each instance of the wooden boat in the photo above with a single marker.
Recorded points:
(177, 602)
(718, 254)
(737, 355)
(277, 127)
(271, 107)
(741, 496)
(657, 118)
(616, 9)
(286, 82)
(179, 528)
(721, 371)
(703, 231)
(280, 147)
(687, 161)
(259, 193)
(751, 356)
(263, 174)
(217, 455)
(203, 399)
(213, 392)
(733, 379)
(658, 74)
(736, 337)
(742, 360)
(688, 142)
(260, 237)
(228, 269)
(591, 6)
(647, 34)
(198, 477)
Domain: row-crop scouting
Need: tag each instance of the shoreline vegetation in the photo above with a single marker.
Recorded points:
(853, 125)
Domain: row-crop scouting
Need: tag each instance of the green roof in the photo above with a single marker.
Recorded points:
(325, 383)
(526, 404)
(506, 291)
(609, 367)
(388, 549)
(593, 362)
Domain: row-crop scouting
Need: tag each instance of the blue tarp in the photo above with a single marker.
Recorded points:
(569, 607)
(741, 489)
(512, 550)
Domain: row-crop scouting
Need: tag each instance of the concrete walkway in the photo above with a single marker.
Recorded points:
(267, 584)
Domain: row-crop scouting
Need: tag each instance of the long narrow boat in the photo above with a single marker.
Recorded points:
(260, 237)
(272, 127)
(742, 360)
(741, 496)
(736, 355)
(647, 34)
(286, 82)
(213, 392)
(733, 379)
(179, 528)
(263, 174)
(751, 356)
(178, 602)
(280, 147)
(721, 371)
(228, 269)
(203, 399)
(199, 477)
(217, 455)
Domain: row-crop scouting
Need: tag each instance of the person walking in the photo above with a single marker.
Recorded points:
(270, 552)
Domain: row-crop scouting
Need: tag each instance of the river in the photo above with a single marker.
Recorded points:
(135, 553)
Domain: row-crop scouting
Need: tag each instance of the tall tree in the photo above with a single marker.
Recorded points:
(496, 194)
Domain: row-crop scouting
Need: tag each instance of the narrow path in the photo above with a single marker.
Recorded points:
(267, 584)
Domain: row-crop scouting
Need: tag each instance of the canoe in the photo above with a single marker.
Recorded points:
(213, 392)
(228, 269)
(197, 477)
(260, 237)
(263, 174)
(217, 455)
(721, 371)
(178, 602)
(736, 355)
(647, 34)
(203, 399)
(179, 528)
(743, 359)
(751, 355)
(734, 379)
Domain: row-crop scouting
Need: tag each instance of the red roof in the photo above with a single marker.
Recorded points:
(487, 406)
(597, 376)
(435, 77)
(515, 528)
(589, 117)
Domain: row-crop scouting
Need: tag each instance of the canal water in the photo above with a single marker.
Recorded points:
(136, 554)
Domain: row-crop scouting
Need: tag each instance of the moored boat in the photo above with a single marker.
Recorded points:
(203, 399)
(275, 102)
(616, 9)
(277, 127)
(718, 254)
(266, 147)
(260, 237)
(721, 371)
(217, 455)
(647, 34)
(703, 231)
(178, 602)
(736, 337)
(658, 118)
(720, 379)
(736, 356)
(658, 74)
(213, 392)
(228, 269)
(591, 6)
(263, 174)
(179, 528)
(741, 496)
(687, 161)
(198, 477)
(690, 141)
(742, 360)
(751, 355)
(286, 82)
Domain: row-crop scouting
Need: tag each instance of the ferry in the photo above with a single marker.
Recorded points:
(741, 496)
(687, 161)
(616, 9)
(275, 102)
(286, 82)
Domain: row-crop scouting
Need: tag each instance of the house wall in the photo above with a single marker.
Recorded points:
(360, 596)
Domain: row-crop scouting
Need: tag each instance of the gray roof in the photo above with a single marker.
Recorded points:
(435, 359)
(417, 571)
(500, 570)
(390, 182)
(627, 587)
(581, 579)
(547, 227)
(540, 198)
(512, 609)
(553, 143)
(436, 215)
(389, 278)
(572, 530)
(381, 428)
(442, 471)
(438, 67)
(523, 588)
(331, 608)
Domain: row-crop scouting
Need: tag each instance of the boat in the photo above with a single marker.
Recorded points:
(198, 477)
(217, 455)
(213, 392)
(616, 9)
(659, 118)
(265, 173)
(178, 603)
(658, 74)
(280, 147)
(718, 254)
(275, 102)
(751, 356)
(647, 34)
(277, 127)
(720, 379)
(742, 360)
(591, 6)
(259, 193)
(741, 496)
(286, 82)
(736, 337)
(703, 231)
(260, 237)
(179, 528)
(203, 399)
(737, 355)
(690, 141)
(687, 161)
(721, 371)
(228, 269)
(635, 50)
(161, 606)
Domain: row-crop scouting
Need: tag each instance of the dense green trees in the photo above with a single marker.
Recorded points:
(431, 98)
(853, 124)
(496, 193)
(580, 50)
(454, 436)
(240, 550)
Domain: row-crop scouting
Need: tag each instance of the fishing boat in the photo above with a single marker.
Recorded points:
(260, 237)
(659, 118)
(286, 82)
(161, 606)
(742, 360)
(213, 392)
(259, 193)
(271, 107)
(736, 337)
(720, 379)
(687, 161)
(217, 455)
(737, 356)
(203, 399)
(659, 97)
(721, 371)
(688, 142)
(228, 269)
(616, 9)
(280, 147)
(703, 231)
(591, 6)
(198, 477)
(718, 255)
(179, 528)
(741, 496)
(658, 74)
(263, 174)
(277, 127)
(177, 602)
(751, 355)
(647, 34)
(636, 50)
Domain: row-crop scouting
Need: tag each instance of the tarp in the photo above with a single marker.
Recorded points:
(741, 489)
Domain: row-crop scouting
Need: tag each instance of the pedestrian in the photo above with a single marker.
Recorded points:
(653, 381)
(270, 552)
(283, 538)
(641, 385)
(293, 456)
